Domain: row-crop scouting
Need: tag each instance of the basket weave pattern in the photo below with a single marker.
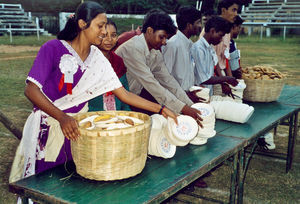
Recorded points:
(111, 154)
(259, 90)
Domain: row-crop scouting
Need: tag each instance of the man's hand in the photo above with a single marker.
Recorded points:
(232, 81)
(193, 96)
(227, 90)
(194, 113)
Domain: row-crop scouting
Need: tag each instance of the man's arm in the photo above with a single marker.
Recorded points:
(168, 81)
(135, 62)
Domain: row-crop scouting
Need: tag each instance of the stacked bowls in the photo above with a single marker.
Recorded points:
(182, 133)
(202, 93)
(232, 111)
(158, 144)
(208, 130)
(238, 90)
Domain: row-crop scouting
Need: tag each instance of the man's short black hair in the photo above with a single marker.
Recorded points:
(209, 12)
(226, 4)
(159, 20)
(219, 24)
(238, 21)
(185, 15)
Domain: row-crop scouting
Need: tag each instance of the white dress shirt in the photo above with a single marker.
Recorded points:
(178, 60)
(205, 59)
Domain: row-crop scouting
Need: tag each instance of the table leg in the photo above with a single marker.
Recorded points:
(234, 178)
(25, 200)
(243, 168)
(293, 130)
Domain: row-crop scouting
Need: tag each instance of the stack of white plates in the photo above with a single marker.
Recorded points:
(232, 111)
(158, 144)
(204, 93)
(183, 133)
(221, 98)
(208, 130)
(238, 90)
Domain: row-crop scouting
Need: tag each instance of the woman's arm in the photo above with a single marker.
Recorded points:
(139, 102)
(68, 124)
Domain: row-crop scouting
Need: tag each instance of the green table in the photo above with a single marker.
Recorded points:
(160, 178)
(266, 117)
(290, 95)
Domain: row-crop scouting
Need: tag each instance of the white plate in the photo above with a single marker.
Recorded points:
(165, 148)
(89, 119)
(186, 129)
(240, 85)
(170, 137)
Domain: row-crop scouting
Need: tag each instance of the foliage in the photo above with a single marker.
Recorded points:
(112, 6)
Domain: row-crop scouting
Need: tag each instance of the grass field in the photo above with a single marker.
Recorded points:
(274, 185)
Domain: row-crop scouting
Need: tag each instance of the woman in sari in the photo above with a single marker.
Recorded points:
(68, 72)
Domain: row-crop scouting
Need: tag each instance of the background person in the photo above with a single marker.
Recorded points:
(147, 73)
(177, 51)
(204, 55)
(234, 61)
(228, 10)
(108, 101)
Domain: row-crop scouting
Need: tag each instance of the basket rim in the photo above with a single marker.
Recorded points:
(97, 130)
(273, 80)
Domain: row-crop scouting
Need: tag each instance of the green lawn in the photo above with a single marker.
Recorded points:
(283, 55)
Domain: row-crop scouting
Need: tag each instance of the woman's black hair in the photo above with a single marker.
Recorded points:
(86, 11)
(219, 24)
(159, 20)
(111, 22)
(185, 15)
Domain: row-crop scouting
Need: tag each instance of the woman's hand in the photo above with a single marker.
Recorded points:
(168, 113)
(193, 113)
(68, 124)
(69, 127)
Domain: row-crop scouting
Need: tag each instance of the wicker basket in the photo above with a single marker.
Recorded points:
(259, 90)
(111, 154)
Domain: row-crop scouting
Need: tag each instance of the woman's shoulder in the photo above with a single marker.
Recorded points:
(115, 56)
(54, 43)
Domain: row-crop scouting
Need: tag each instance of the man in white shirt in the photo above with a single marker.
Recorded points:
(177, 51)
(205, 57)
(146, 71)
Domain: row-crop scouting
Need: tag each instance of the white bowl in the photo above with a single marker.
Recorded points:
(198, 141)
(186, 129)
(207, 134)
(165, 148)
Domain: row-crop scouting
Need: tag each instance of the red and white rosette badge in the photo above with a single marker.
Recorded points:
(68, 67)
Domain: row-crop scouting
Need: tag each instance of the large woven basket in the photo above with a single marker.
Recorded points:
(111, 154)
(259, 90)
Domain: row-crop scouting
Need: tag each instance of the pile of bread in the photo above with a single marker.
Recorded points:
(262, 72)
